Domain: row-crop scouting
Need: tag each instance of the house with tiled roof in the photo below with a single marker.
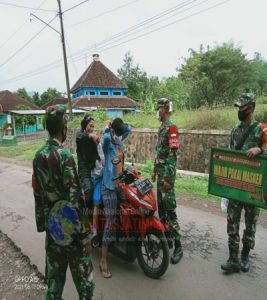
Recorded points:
(9, 102)
(55, 102)
(100, 88)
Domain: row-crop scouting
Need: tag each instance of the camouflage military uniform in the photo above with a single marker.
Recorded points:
(256, 138)
(165, 168)
(55, 178)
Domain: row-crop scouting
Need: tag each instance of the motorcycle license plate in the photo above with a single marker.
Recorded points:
(144, 186)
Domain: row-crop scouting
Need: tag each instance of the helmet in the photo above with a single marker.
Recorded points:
(245, 99)
(164, 102)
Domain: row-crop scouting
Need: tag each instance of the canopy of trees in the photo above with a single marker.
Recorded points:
(212, 77)
(47, 96)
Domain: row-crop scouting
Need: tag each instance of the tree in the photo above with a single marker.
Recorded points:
(217, 76)
(135, 79)
(36, 99)
(49, 95)
(24, 120)
(23, 94)
(260, 65)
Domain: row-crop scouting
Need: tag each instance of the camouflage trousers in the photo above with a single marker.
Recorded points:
(233, 222)
(166, 209)
(57, 260)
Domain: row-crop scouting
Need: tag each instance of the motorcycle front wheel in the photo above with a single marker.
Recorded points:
(153, 254)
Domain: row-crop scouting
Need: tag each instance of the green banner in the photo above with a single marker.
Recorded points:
(234, 176)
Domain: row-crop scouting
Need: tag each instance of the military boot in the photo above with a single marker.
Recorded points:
(177, 253)
(245, 263)
(232, 265)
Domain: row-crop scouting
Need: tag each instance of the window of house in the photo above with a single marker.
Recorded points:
(117, 93)
(92, 93)
(104, 93)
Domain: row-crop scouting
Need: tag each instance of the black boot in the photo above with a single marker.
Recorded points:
(177, 253)
(245, 263)
(232, 265)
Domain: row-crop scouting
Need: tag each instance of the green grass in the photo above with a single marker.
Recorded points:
(202, 119)
(187, 185)
(20, 152)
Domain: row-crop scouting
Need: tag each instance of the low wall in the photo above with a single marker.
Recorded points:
(194, 151)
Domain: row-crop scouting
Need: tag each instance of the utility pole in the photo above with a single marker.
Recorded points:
(65, 58)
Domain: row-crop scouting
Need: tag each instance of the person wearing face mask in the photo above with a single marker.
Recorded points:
(165, 173)
(112, 143)
(56, 185)
(248, 136)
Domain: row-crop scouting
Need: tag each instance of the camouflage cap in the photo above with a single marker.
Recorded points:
(56, 113)
(245, 99)
(163, 102)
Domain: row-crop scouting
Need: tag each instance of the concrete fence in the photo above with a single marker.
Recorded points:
(194, 151)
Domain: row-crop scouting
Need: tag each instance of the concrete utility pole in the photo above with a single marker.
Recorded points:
(65, 59)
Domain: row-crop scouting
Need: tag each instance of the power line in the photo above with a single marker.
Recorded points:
(19, 29)
(104, 13)
(105, 48)
(26, 44)
(123, 32)
(75, 6)
(167, 25)
(25, 7)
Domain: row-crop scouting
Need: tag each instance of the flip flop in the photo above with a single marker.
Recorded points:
(105, 274)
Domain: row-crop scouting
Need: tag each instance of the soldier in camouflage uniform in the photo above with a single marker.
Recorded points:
(55, 178)
(165, 172)
(249, 136)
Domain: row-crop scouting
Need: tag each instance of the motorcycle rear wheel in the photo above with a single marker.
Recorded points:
(153, 254)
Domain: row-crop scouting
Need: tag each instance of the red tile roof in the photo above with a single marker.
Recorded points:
(54, 102)
(105, 102)
(10, 101)
(97, 75)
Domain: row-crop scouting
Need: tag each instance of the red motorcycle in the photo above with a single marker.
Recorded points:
(140, 234)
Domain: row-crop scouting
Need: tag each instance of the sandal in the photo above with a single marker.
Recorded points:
(105, 274)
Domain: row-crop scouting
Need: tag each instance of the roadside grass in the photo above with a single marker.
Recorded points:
(223, 118)
(187, 185)
(20, 152)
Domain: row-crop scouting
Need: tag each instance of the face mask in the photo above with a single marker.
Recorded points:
(242, 115)
(158, 116)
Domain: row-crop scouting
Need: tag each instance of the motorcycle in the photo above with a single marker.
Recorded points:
(139, 233)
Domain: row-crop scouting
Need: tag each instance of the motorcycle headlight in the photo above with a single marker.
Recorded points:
(139, 200)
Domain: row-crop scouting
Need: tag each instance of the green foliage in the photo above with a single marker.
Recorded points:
(184, 184)
(24, 120)
(23, 94)
(217, 76)
(49, 95)
(260, 66)
(133, 77)
(21, 152)
(99, 116)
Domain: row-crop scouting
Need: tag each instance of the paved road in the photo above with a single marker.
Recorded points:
(197, 277)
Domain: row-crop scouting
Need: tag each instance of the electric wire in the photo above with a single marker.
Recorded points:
(27, 43)
(71, 8)
(103, 13)
(129, 29)
(25, 7)
(58, 63)
(20, 27)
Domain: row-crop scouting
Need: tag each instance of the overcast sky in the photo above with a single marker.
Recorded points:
(158, 33)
